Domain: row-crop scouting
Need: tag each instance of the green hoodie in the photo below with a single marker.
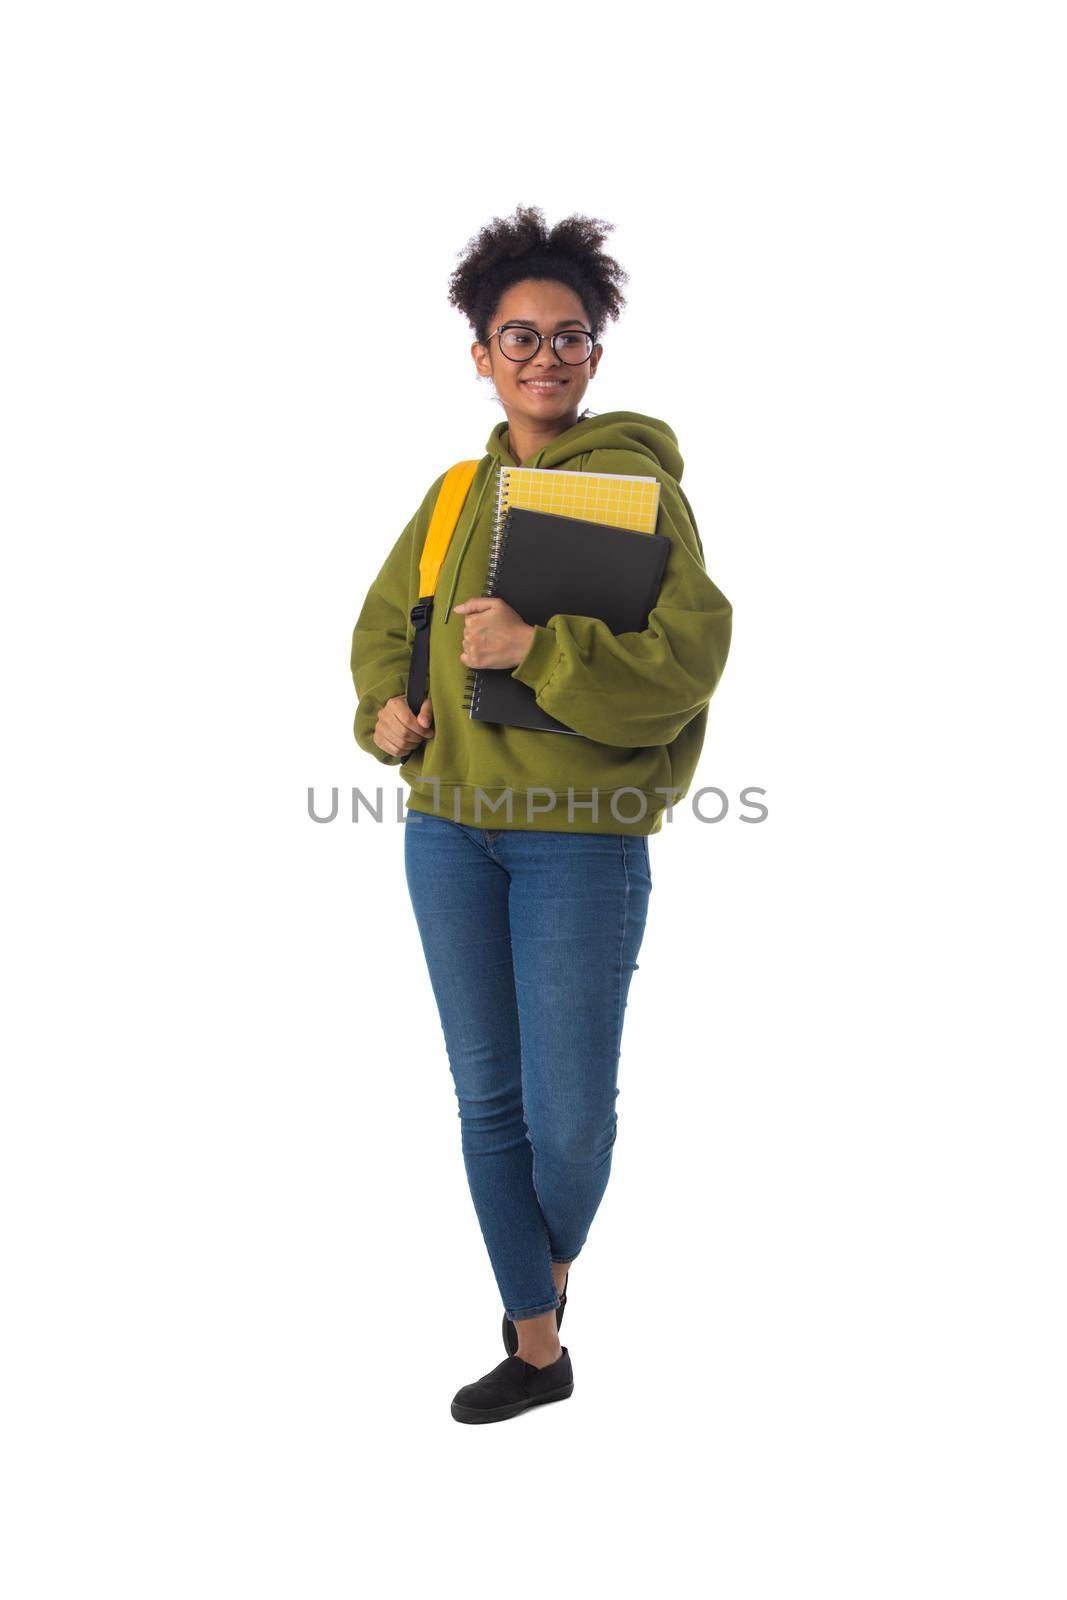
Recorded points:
(638, 701)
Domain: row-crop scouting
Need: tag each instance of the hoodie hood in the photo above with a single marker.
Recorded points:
(606, 430)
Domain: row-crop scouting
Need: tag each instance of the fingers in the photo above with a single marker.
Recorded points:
(397, 731)
(389, 742)
(398, 710)
(481, 602)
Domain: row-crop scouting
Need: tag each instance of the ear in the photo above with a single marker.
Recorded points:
(482, 362)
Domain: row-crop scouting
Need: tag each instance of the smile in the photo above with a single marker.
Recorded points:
(544, 385)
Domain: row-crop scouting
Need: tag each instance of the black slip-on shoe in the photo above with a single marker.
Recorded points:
(507, 1327)
(512, 1387)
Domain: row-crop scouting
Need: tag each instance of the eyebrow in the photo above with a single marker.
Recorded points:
(526, 322)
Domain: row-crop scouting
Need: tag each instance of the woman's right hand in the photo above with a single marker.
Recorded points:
(397, 732)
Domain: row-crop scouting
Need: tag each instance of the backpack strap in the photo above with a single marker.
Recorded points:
(451, 498)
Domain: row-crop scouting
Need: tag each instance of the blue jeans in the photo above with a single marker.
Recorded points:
(530, 938)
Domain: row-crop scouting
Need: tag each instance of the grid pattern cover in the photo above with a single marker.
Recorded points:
(608, 497)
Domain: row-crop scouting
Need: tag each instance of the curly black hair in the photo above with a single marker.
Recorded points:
(509, 249)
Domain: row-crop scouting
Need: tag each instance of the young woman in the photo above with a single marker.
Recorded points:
(526, 851)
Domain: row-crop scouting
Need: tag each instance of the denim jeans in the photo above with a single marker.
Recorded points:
(530, 938)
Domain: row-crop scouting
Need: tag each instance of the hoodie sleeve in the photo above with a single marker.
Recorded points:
(634, 689)
(381, 639)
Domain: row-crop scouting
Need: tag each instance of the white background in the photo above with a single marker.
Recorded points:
(818, 1330)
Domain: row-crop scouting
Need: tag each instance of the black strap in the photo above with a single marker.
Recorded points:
(419, 671)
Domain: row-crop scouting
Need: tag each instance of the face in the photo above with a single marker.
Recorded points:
(550, 308)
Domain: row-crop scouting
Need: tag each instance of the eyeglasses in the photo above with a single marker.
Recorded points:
(517, 342)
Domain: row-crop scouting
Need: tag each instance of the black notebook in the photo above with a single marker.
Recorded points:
(544, 564)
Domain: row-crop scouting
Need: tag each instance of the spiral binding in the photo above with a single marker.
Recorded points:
(501, 527)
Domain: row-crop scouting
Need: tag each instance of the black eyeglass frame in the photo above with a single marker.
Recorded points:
(541, 337)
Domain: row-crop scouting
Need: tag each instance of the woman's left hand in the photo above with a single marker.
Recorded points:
(493, 634)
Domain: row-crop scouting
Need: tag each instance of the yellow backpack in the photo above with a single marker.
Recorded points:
(451, 498)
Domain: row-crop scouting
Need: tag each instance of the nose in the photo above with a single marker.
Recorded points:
(545, 357)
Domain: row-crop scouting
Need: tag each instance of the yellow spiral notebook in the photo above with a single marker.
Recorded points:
(607, 497)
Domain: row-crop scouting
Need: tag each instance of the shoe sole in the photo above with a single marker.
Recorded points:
(501, 1413)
